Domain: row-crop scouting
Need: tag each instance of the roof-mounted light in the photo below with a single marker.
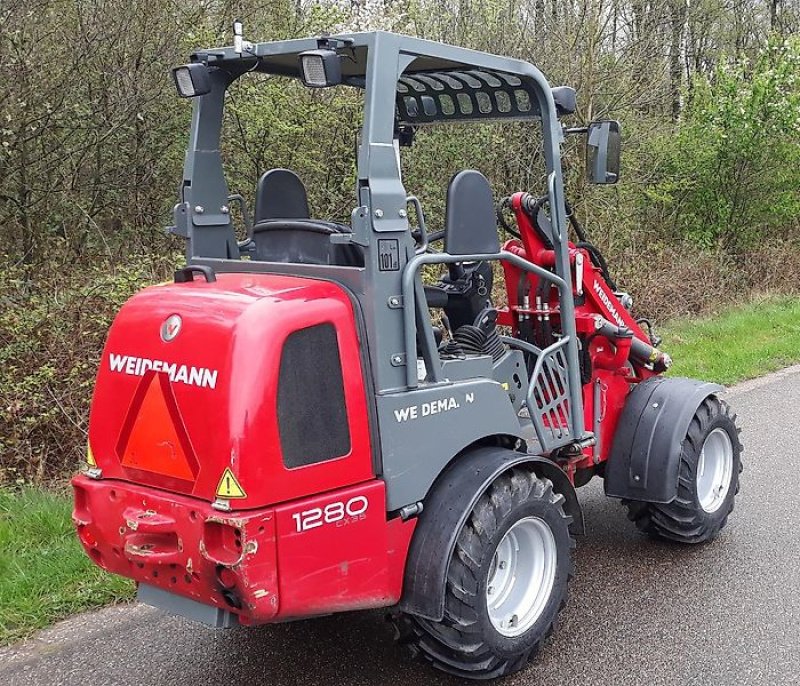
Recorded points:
(320, 68)
(191, 80)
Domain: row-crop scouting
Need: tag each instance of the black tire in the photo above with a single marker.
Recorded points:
(465, 643)
(684, 520)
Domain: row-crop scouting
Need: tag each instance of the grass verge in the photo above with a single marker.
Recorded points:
(739, 343)
(44, 573)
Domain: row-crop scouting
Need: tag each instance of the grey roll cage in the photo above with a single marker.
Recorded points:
(405, 80)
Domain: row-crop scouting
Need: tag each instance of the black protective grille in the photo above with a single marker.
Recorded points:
(463, 95)
(312, 415)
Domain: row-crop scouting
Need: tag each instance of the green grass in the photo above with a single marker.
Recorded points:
(740, 343)
(44, 573)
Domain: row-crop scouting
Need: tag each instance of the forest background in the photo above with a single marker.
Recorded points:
(92, 138)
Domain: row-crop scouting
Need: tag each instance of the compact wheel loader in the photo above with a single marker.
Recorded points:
(299, 425)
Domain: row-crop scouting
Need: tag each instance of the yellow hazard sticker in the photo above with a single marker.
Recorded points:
(90, 456)
(229, 487)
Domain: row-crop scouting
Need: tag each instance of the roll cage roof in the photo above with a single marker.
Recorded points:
(405, 80)
(434, 82)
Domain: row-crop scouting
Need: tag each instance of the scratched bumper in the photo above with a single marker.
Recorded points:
(181, 545)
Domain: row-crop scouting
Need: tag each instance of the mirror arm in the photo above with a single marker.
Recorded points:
(575, 129)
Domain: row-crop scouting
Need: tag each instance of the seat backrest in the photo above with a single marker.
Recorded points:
(470, 221)
(280, 194)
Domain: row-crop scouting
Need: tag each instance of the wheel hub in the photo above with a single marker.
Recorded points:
(521, 576)
(714, 470)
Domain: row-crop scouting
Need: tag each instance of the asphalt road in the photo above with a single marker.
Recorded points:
(640, 612)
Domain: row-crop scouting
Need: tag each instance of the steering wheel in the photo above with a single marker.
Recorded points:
(312, 225)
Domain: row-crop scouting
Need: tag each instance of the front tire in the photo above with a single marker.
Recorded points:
(506, 583)
(708, 480)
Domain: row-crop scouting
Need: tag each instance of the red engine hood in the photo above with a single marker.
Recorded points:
(186, 388)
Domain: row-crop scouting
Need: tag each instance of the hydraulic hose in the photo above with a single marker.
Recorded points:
(594, 252)
(599, 261)
(502, 206)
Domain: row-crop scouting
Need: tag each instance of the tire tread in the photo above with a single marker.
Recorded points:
(456, 645)
(682, 520)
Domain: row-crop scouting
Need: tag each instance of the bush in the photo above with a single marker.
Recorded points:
(731, 171)
(52, 330)
(707, 212)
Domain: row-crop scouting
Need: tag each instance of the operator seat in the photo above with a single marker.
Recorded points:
(470, 224)
(470, 228)
(284, 232)
(281, 195)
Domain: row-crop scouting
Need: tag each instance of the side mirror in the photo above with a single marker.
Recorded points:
(602, 151)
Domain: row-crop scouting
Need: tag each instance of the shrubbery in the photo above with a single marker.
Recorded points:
(52, 330)
(92, 140)
(731, 171)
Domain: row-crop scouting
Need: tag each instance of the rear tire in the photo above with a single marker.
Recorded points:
(506, 582)
(708, 480)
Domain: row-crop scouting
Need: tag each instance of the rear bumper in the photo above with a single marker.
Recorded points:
(181, 545)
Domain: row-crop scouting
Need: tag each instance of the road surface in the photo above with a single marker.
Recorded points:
(640, 612)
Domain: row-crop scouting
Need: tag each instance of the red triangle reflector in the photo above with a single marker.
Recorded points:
(154, 439)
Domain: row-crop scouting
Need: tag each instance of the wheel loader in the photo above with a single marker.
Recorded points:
(300, 424)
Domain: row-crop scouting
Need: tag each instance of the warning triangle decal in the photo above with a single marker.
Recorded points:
(154, 439)
(229, 487)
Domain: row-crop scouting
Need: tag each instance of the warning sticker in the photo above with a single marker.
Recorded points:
(229, 487)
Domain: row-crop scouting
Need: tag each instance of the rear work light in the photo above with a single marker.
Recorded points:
(320, 68)
(191, 80)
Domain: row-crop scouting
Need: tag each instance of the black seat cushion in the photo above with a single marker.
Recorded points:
(304, 241)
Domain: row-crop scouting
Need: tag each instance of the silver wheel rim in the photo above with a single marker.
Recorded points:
(714, 470)
(521, 576)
